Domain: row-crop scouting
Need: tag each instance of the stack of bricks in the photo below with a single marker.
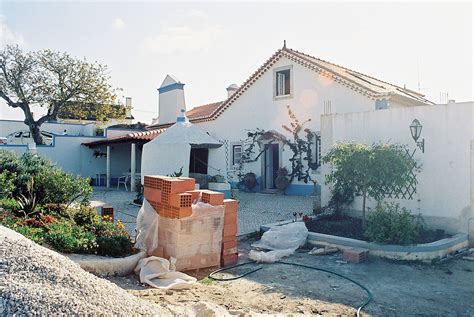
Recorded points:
(201, 239)
(229, 255)
(168, 196)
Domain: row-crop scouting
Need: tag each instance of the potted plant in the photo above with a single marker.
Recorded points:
(250, 180)
(282, 181)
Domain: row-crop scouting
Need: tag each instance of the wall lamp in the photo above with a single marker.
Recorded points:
(415, 129)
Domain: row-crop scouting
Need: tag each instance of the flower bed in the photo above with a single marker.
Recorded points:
(50, 206)
(350, 227)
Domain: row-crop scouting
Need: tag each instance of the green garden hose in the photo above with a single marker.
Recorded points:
(359, 308)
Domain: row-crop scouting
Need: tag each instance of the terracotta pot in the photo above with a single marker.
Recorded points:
(281, 182)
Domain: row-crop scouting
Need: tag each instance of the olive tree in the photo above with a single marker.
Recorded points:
(52, 80)
(370, 171)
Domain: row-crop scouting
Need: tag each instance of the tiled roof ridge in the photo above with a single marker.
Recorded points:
(354, 71)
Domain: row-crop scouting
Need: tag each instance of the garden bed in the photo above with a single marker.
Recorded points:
(350, 227)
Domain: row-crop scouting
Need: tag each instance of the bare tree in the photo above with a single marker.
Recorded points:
(52, 80)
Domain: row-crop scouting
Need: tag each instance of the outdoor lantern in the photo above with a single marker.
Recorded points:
(415, 129)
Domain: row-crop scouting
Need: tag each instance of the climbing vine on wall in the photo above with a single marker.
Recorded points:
(300, 144)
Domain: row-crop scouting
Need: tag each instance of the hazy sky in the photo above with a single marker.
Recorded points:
(211, 45)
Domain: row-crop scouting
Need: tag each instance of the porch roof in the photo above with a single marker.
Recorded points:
(135, 137)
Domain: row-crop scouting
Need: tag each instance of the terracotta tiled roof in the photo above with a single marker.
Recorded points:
(143, 137)
(366, 85)
(202, 111)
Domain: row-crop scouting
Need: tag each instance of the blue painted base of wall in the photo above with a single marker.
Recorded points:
(302, 190)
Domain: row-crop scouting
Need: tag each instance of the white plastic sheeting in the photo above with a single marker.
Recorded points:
(189, 243)
(170, 150)
(281, 240)
(160, 273)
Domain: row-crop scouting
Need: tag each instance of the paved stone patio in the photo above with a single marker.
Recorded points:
(255, 209)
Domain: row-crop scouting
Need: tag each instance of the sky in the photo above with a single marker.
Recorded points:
(427, 46)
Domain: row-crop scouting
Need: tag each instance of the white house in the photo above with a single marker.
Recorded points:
(308, 85)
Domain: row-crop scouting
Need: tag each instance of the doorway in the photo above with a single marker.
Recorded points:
(271, 165)
(198, 161)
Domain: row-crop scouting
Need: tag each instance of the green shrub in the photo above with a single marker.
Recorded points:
(32, 233)
(51, 184)
(85, 215)
(56, 186)
(114, 246)
(9, 204)
(69, 238)
(389, 223)
(7, 184)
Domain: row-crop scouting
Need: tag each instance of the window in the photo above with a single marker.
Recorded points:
(283, 81)
(236, 154)
(316, 152)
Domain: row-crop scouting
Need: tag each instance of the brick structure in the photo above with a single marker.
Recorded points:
(229, 255)
(167, 195)
(197, 236)
(108, 212)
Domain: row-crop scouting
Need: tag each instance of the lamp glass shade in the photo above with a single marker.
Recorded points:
(415, 129)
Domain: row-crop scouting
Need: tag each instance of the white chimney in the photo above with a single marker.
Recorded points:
(128, 106)
(231, 90)
(171, 100)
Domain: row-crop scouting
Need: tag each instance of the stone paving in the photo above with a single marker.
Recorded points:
(255, 209)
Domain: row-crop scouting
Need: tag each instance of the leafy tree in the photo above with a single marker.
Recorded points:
(370, 171)
(54, 81)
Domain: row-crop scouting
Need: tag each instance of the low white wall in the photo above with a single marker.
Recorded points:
(444, 188)
(10, 126)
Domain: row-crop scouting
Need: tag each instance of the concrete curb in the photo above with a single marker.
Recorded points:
(425, 251)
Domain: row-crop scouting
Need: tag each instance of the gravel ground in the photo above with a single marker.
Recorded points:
(35, 280)
(255, 209)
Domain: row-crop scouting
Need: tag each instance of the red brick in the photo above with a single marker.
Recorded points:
(229, 251)
(213, 198)
(230, 219)
(228, 260)
(190, 182)
(230, 205)
(229, 245)
(194, 195)
(229, 238)
(108, 212)
(176, 185)
(355, 255)
(152, 194)
(229, 230)
(180, 200)
(153, 181)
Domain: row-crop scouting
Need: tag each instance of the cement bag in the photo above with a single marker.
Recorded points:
(147, 228)
(156, 272)
(290, 236)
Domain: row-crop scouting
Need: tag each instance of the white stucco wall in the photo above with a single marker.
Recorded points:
(444, 187)
(257, 108)
(10, 126)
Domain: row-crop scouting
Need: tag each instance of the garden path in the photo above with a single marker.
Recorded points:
(254, 210)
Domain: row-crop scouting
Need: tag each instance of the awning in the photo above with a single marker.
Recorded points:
(136, 137)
